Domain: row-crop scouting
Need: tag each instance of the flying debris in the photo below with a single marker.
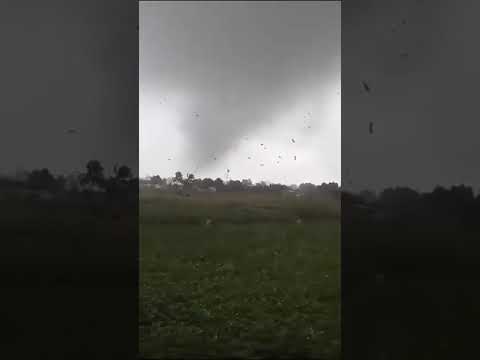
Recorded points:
(366, 87)
(261, 144)
(370, 127)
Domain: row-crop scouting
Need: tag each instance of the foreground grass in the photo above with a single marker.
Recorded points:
(244, 287)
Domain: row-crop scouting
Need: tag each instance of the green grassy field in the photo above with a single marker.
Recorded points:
(254, 283)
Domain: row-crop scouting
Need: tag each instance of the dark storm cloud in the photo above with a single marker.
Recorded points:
(68, 65)
(420, 104)
(239, 63)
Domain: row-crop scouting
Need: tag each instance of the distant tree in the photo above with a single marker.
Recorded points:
(260, 186)
(178, 177)
(123, 173)
(94, 175)
(41, 180)
(121, 183)
(197, 182)
(247, 183)
(333, 186)
(234, 185)
(307, 188)
(207, 182)
(219, 184)
(398, 196)
(456, 200)
(190, 178)
(401, 202)
(189, 181)
(277, 187)
(156, 180)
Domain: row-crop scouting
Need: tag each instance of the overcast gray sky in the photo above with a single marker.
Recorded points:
(217, 79)
(68, 66)
(424, 105)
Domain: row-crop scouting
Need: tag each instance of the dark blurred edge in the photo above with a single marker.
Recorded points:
(69, 272)
(410, 261)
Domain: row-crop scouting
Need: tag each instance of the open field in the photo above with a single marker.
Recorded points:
(253, 283)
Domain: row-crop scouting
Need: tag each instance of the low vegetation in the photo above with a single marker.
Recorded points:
(235, 274)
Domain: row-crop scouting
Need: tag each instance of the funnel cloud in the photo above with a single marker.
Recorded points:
(217, 79)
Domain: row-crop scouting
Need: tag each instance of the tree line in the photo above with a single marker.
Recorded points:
(457, 204)
(191, 183)
(93, 179)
